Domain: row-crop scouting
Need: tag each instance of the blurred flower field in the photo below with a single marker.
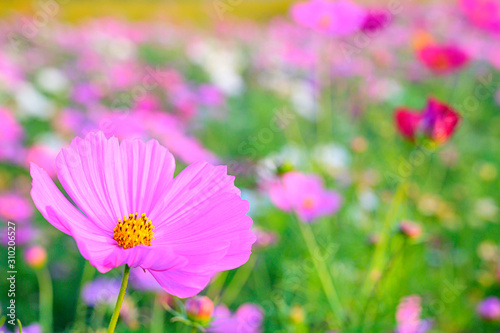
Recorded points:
(336, 170)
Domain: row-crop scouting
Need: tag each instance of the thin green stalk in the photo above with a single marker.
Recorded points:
(46, 298)
(216, 286)
(119, 301)
(323, 272)
(81, 307)
(238, 281)
(379, 255)
(157, 317)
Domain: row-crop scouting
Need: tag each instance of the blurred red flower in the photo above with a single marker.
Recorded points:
(442, 59)
(437, 121)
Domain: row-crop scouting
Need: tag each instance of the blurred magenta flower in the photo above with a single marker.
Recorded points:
(133, 212)
(437, 122)
(305, 195)
(15, 207)
(199, 308)
(375, 20)
(248, 318)
(489, 308)
(442, 59)
(11, 134)
(338, 18)
(408, 316)
(484, 14)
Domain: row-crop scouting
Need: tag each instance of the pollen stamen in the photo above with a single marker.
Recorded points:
(134, 230)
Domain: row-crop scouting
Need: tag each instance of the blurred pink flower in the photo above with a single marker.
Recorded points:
(248, 318)
(133, 212)
(408, 316)
(410, 229)
(86, 94)
(15, 207)
(210, 95)
(44, 156)
(484, 14)
(36, 256)
(149, 102)
(489, 308)
(305, 195)
(442, 59)
(338, 18)
(169, 132)
(265, 238)
(11, 134)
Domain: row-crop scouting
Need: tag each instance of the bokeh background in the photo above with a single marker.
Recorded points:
(413, 247)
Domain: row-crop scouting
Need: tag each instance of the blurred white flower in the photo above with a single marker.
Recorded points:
(487, 209)
(221, 63)
(334, 158)
(31, 102)
(368, 200)
(51, 80)
(303, 99)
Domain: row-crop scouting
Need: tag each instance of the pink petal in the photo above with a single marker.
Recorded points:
(204, 219)
(92, 242)
(107, 180)
(182, 283)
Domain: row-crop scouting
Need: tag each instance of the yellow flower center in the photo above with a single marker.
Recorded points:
(133, 231)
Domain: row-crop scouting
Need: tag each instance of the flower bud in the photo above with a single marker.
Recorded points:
(200, 308)
(410, 229)
(36, 256)
(297, 315)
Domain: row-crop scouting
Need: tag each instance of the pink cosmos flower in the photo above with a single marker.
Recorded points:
(437, 122)
(484, 14)
(132, 211)
(248, 318)
(304, 194)
(337, 18)
(408, 316)
(442, 59)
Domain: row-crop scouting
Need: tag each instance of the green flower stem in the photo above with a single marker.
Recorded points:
(238, 281)
(81, 307)
(323, 273)
(157, 317)
(46, 298)
(119, 301)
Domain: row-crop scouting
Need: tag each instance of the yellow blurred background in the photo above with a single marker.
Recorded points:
(191, 11)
